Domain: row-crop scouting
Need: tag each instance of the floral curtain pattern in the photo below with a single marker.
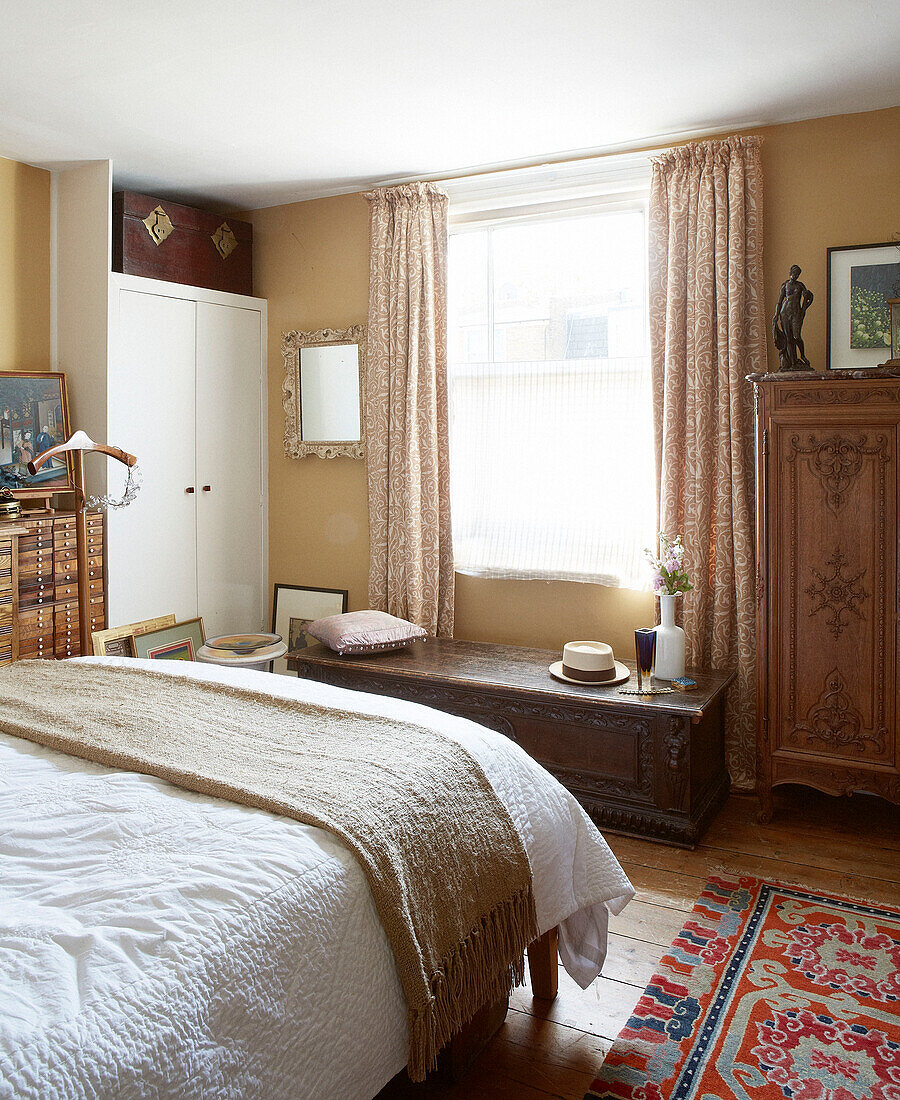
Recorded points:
(707, 332)
(411, 553)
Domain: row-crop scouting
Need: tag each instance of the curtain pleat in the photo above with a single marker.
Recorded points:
(411, 553)
(707, 332)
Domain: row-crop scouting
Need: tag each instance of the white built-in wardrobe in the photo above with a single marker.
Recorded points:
(177, 376)
(185, 394)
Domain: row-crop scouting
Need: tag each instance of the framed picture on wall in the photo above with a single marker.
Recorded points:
(861, 279)
(294, 607)
(34, 416)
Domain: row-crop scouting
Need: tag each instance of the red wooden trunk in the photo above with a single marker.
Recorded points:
(164, 240)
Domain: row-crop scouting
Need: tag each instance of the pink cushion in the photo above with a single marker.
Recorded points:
(365, 632)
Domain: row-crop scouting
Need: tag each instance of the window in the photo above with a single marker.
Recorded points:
(551, 436)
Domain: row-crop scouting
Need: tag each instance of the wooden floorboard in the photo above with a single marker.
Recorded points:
(705, 861)
(673, 889)
(630, 960)
(600, 1010)
(554, 1048)
(813, 813)
(651, 923)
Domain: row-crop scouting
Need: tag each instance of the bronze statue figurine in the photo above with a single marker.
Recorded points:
(793, 302)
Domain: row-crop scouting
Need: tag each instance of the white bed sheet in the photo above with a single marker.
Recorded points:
(159, 943)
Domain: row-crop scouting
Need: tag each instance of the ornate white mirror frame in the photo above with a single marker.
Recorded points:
(291, 343)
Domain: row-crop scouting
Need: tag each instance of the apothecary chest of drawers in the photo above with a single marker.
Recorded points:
(44, 612)
(9, 590)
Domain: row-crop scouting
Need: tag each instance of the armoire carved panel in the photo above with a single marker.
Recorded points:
(828, 448)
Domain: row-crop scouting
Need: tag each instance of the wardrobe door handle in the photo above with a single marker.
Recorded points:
(189, 489)
(207, 488)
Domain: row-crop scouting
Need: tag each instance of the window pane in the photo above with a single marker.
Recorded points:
(571, 288)
(552, 471)
(468, 308)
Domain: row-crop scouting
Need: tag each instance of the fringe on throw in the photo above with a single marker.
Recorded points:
(482, 969)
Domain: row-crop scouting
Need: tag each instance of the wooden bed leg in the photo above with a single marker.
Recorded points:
(543, 962)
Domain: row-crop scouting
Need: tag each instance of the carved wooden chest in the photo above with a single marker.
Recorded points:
(828, 448)
(164, 240)
(651, 767)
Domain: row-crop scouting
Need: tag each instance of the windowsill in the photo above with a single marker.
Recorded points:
(607, 581)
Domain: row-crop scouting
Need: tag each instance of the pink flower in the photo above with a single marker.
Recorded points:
(668, 569)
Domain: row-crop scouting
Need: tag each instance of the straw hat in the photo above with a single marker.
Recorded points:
(589, 664)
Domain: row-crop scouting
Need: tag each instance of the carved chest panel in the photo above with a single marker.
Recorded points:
(651, 767)
(828, 452)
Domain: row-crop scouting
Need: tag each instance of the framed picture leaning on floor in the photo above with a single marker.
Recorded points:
(294, 606)
(172, 643)
(119, 640)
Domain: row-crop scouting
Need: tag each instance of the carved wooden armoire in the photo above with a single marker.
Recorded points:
(828, 450)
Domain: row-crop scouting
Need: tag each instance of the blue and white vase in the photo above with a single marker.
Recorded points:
(669, 641)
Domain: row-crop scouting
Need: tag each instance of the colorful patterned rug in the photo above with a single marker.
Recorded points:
(769, 991)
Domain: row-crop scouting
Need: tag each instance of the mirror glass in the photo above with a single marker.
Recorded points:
(322, 392)
(329, 394)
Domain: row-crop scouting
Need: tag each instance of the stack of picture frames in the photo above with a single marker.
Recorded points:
(153, 639)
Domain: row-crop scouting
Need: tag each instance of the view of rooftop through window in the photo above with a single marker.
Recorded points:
(570, 288)
(551, 432)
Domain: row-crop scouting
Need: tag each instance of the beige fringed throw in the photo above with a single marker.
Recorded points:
(447, 869)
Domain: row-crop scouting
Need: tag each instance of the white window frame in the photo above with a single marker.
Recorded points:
(574, 189)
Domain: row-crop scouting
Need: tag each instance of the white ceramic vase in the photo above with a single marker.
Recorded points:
(669, 641)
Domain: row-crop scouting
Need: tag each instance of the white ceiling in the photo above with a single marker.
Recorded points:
(265, 102)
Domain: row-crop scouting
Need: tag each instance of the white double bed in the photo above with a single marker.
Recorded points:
(163, 944)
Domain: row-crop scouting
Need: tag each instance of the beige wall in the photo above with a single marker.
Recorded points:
(311, 263)
(830, 181)
(84, 234)
(24, 267)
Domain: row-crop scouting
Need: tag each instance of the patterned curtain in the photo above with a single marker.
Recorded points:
(707, 331)
(411, 552)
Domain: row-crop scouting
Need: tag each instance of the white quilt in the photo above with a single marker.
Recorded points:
(156, 943)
